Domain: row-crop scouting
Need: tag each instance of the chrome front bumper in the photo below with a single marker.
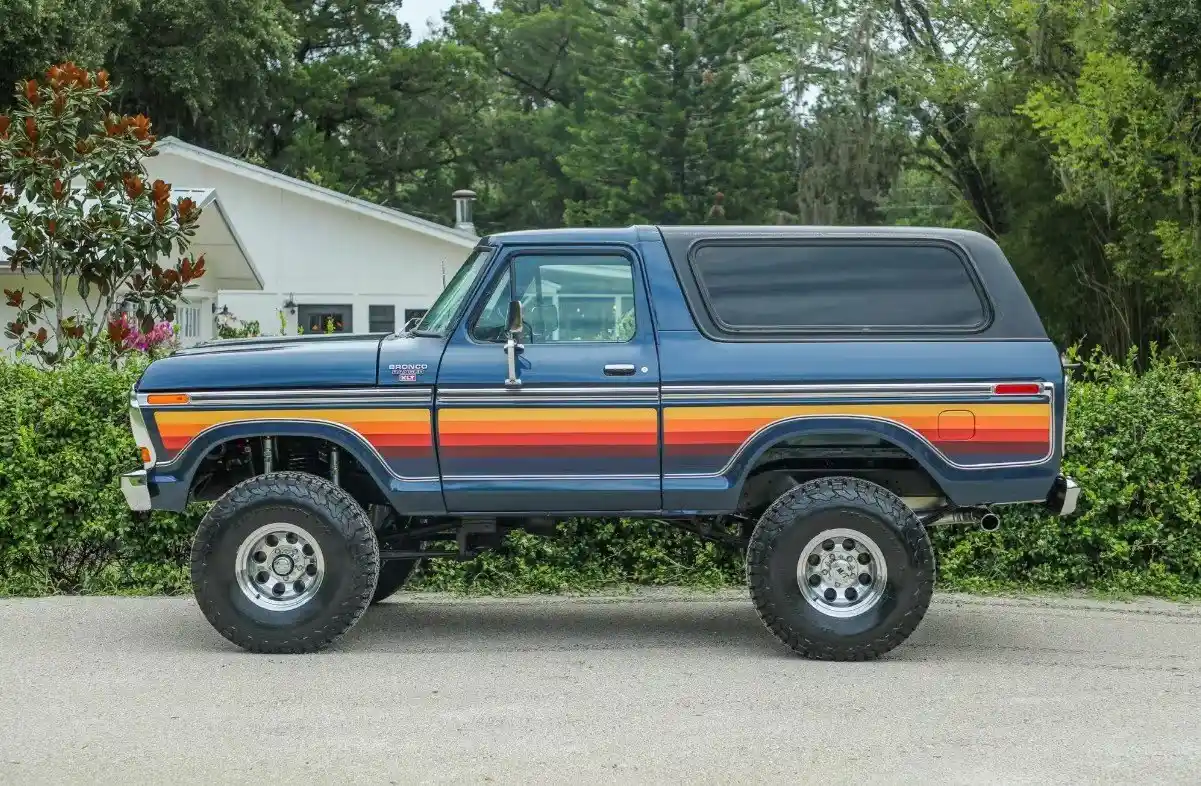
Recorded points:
(1064, 496)
(136, 490)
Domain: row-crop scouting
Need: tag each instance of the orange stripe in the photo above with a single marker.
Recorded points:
(579, 440)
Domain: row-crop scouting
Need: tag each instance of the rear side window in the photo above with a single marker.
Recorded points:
(838, 287)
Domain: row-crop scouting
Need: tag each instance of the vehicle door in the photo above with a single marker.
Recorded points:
(576, 428)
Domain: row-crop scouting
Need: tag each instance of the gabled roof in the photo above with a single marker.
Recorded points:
(303, 188)
(217, 240)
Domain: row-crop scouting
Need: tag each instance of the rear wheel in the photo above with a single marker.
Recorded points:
(285, 562)
(840, 569)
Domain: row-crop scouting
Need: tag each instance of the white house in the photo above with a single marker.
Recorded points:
(278, 246)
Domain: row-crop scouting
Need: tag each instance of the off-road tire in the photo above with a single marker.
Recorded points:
(392, 577)
(345, 536)
(800, 515)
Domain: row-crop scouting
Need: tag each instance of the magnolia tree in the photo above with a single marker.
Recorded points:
(75, 197)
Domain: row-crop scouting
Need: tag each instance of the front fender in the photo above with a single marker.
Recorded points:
(170, 482)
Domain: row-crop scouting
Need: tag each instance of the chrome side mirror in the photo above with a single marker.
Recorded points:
(513, 345)
(515, 323)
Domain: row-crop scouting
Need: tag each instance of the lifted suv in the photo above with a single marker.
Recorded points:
(817, 397)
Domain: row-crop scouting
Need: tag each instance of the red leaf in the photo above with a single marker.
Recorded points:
(160, 191)
(42, 337)
(31, 91)
(5, 122)
(14, 297)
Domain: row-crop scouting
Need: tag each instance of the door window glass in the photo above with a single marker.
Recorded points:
(576, 298)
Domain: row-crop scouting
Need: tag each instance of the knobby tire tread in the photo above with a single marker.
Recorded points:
(818, 494)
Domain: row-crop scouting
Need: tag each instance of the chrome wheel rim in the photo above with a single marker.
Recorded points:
(842, 573)
(279, 567)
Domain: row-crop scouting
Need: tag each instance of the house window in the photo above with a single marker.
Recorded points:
(322, 318)
(382, 318)
(188, 320)
(410, 313)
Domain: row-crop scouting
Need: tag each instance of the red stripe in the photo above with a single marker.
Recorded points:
(550, 451)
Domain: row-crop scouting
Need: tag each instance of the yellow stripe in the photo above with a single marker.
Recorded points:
(892, 411)
(348, 416)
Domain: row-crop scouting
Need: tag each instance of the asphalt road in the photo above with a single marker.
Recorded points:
(661, 689)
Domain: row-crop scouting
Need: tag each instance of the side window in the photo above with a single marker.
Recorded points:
(852, 287)
(492, 320)
(567, 298)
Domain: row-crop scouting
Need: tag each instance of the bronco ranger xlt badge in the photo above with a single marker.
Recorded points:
(407, 372)
(816, 398)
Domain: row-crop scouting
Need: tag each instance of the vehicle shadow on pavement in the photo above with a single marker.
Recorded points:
(418, 626)
(415, 625)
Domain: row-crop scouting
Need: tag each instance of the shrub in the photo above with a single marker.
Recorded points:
(1133, 443)
(64, 526)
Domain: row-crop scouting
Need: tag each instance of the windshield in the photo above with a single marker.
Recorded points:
(442, 314)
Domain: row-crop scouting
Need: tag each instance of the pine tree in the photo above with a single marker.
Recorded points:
(674, 112)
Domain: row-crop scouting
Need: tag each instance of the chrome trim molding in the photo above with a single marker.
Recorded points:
(328, 397)
(597, 394)
(933, 390)
(137, 493)
(834, 415)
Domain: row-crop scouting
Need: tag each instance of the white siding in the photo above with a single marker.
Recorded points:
(317, 253)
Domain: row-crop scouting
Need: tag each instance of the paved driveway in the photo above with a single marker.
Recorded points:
(658, 689)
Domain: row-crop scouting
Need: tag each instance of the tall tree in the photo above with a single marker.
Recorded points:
(674, 113)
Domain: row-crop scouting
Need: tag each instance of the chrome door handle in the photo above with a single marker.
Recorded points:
(619, 369)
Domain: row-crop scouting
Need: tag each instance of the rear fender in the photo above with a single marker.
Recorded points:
(962, 485)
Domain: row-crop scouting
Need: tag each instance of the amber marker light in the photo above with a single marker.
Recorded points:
(168, 399)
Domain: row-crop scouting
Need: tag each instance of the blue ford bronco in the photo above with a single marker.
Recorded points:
(815, 397)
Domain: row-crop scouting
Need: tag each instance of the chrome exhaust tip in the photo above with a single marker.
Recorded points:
(990, 522)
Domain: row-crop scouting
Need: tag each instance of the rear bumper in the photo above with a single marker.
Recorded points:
(136, 490)
(1063, 497)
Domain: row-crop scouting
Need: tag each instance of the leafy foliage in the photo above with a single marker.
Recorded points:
(1132, 443)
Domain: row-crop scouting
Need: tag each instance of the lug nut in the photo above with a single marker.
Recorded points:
(831, 594)
(864, 558)
(260, 556)
(307, 550)
(814, 580)
(272, 540)
(311, 570)
(814, 560)
(262, 577)
(848, 544)
(291, 537)
(851, 594)
(298, 586)
(865, 579)
(278, 589)
(828, 545)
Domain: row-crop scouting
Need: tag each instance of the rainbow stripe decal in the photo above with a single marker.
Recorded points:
(549, 441)
(399, 435)
(704, 439)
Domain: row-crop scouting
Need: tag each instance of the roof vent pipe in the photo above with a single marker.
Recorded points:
(463, 204)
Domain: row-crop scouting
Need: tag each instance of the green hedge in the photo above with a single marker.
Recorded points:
(1133, 442)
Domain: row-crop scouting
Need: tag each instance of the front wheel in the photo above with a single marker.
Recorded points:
(840, 569)
(285, 562)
